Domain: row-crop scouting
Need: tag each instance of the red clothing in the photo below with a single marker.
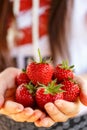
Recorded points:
(24, 20)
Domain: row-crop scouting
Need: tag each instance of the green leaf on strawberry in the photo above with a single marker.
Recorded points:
(49, 93)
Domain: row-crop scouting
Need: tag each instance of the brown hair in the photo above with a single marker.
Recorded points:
(5, 14)
(59, 21)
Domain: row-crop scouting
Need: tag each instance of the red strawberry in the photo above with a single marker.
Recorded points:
(72, 90)
(50, 93)
(63, 71)
(22, 78)
(41, 72)
(24, 95)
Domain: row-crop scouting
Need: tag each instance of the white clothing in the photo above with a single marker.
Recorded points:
(78, 39)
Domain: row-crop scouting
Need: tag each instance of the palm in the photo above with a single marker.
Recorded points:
(10, 94)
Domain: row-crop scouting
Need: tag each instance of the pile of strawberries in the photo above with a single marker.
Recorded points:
(41, 83)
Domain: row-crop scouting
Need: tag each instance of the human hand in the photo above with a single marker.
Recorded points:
(61, 110)
(18, 113)
(8, 105)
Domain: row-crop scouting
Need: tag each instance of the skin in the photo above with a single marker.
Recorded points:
(82, 81)
(59, 111)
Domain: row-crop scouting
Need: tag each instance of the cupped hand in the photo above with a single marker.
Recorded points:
(59, 111)
(18, 113)
(8, 105)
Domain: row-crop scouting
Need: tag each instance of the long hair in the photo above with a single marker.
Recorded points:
(5, 14)
(58, 27)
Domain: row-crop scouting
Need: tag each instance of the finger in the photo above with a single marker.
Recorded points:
(1, 100)
(55, 113)
(10, 93)
(36, 115)
(7, 82)
(11, 107)
(68, 108)
(83, 89)
(80, 80)
(45, 122)
(2, 92)
(22, 116)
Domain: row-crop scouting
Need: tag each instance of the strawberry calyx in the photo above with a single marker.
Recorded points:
(52, 88)
(23, 70)
(31, 88)
(66, 66)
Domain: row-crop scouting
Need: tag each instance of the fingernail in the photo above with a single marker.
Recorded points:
(29, 112)
(58, 102)
(44, 123)
(19, 109)
(49, 106)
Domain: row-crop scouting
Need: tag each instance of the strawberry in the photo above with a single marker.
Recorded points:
(41, 72)
(71, 89)
(22, 78)
(25, 95)
(63, 71)
(50, 93)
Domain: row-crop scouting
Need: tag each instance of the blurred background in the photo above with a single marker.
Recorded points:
(28, 30)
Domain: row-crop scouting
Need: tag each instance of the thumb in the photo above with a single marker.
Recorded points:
(7, 81)
(2, 92)
(83, 89)
(83, 94)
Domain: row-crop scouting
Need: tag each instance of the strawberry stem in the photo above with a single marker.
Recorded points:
(40, 57)
(43, 60)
